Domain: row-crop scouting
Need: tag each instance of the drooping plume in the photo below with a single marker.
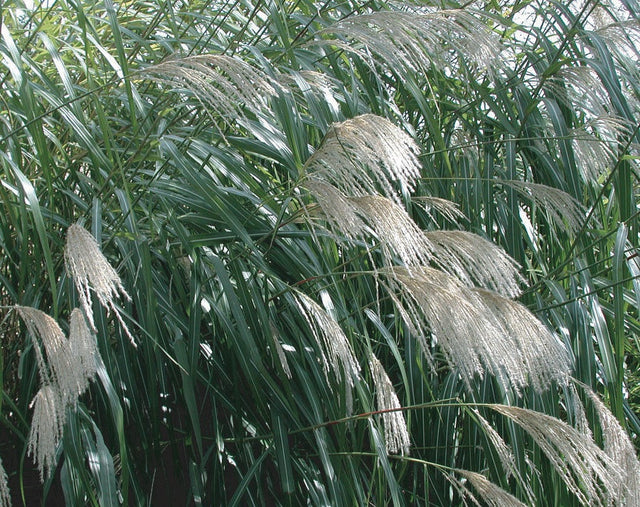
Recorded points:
(563, 210)
(477, 330)
(396, 435)
(620, 449)
(5, 494)
(225, 84)
(505, 455)
(84, 348)
(373, 218)
(475, 261)
(56, 366)
(91, 271)
(587, 470)
(366, 155)
(490, 493)
(337, 354)
(46, 429)
(414, 41)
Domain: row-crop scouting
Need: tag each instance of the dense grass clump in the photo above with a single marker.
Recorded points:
(260, 253)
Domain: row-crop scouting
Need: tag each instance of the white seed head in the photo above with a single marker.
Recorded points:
(223, 83)
(5, 494)
(336, 350)
(588, 472)
(491, 494)
(563, 210)
(60, 367)
(44, 332)
(65, 364)
(91, 271)
(506, 456)
(338, 210)
(620, 449)
(84, 349)
(596, 145)
(475, 261)
(582, 90)
(414, 41)
(444, 207)
(534, 348)
(396, 434)
(477, 330)
(366, 155)
(46, 429)
(366, 217)
(397, 233)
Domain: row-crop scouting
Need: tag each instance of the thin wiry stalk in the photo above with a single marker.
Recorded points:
(366, 155)
(588, 472)
(396, 435)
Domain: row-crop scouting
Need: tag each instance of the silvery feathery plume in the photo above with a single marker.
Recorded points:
(84, 348)
(622, 39)
(576, 409)
(588, 472)
(563, 210)
(5, 495)
(580, 88)
(335, 348)
(338, 210)
(443, 207)
(490, 493)
(619, 448)
(223, 83)
(470, 329)
(505, 454)
(396, 435)
(395, 230)
(366, 155)
(596, 145)
(90, 270)
(475, 261)
(541, 353)
(372, 216)
(63, 370)
(46, 428)
(413, 42)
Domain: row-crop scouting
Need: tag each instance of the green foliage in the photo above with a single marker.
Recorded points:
(249, 171)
